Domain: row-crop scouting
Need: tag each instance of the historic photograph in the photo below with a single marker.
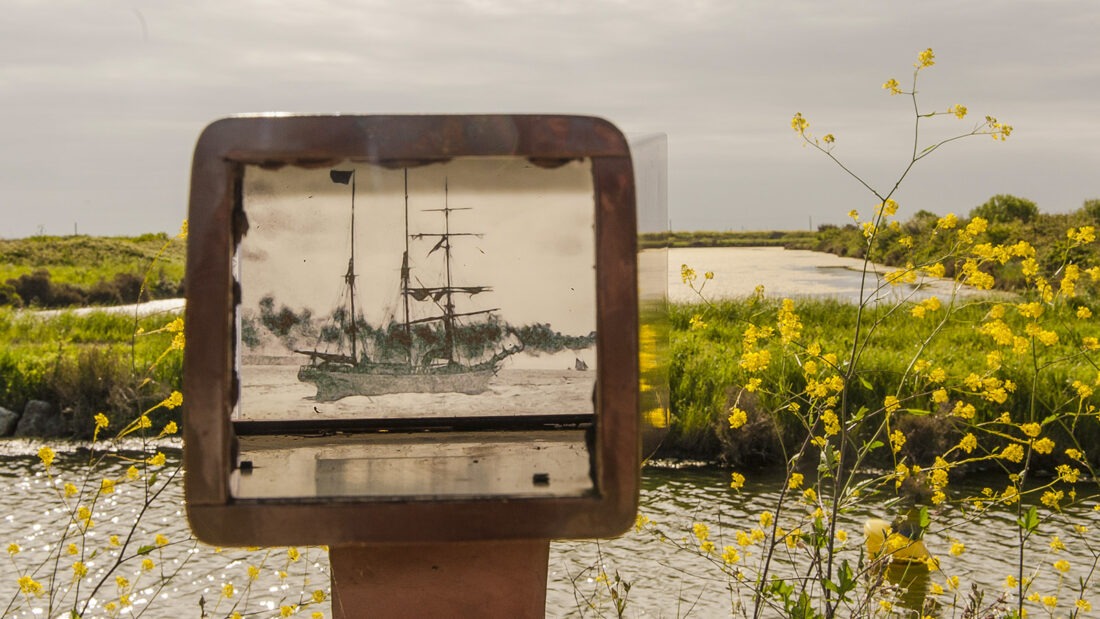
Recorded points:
(457, 289)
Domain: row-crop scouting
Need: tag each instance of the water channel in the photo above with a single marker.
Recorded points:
(666, 580)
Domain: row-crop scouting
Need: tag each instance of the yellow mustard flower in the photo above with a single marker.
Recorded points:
(1013, 453)
(925, 59)
(1043, 446)
(687, 274)
(1031, 429)
(799, 124)
(730, 555)
(173, 400)
(46, 455)
(968, 443)
(897, 440)
(29, 586)
(737, 417)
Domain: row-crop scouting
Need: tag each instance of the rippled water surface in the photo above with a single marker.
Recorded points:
(793, 273)
(666, 581)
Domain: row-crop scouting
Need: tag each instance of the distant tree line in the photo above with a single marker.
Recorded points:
(1009, 217)
(390, 341)
(36, 289)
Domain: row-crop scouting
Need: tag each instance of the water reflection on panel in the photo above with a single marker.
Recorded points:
(436, 465)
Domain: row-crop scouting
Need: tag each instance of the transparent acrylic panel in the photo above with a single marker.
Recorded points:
(471, 283)
(649, 154)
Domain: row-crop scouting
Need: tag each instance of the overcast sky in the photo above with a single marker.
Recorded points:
(102, 101)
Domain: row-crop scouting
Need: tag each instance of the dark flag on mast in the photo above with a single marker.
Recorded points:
(341, 176)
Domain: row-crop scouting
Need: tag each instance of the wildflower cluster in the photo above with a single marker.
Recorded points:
(864, 427)
(97, 558)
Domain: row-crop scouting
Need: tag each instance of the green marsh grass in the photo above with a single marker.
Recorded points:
(706, 377)
(86, 363)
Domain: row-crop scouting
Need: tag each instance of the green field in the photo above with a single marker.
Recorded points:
(703, 238)
(87, 364)
(706, 376)
(66, 271)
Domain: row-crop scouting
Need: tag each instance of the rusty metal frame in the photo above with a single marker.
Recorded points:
(210, 385)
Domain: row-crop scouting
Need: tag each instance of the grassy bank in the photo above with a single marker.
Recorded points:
(765, 238)
(66, 271)
(94, 363)
(707, 378)
(87, 364)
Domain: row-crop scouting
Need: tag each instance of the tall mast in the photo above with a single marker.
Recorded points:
(342, 177)
(449, 306)
(405, 275)
(446, 292)
(351, 276)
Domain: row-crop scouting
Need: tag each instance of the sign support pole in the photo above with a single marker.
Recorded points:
(499, 578)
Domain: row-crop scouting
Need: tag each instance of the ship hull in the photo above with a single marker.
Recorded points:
(337, 383)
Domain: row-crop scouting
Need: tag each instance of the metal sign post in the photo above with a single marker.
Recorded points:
(432, 343)
(458, 579)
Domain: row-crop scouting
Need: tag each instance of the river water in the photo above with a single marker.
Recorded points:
(793, 273)
(666, 579)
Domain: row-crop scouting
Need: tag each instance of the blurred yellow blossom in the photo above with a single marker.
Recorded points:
(925, 59)
(799, 124)
(46, 455)
(737, 480)
(737, 417)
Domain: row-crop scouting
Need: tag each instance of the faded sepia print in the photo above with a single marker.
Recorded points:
(457, 289)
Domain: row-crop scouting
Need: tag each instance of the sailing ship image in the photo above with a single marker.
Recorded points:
(433, 366)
